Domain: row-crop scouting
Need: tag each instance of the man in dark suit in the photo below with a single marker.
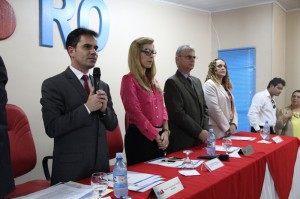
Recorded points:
(7, 183)
(77, 119)
(185, 103)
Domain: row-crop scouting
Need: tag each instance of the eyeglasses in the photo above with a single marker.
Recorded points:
(273, 103)
(189, 57)
(149, 52)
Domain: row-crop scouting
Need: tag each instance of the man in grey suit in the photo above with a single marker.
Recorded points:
(78, 120)
(185, 103)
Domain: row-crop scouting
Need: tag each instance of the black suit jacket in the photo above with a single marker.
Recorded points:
(80, 146)
(187, 111)
(7, 184)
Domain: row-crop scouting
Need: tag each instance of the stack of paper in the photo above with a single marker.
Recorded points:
(139, 181)
(172, 162)
(221, 148)
(242, 138)
(69, 190)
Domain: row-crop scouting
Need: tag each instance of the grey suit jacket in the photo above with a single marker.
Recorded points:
(187, 111)
(80, 146)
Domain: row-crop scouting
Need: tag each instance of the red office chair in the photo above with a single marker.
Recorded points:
(115, 144)
(22, 151)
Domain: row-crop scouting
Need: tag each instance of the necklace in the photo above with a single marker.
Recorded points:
(296, 114)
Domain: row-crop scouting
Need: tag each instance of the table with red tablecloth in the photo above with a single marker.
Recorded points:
(238, 178)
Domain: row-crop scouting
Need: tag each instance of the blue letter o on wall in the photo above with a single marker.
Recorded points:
(83, 19)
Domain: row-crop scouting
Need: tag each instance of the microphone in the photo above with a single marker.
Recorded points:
(222, 157)
(96, 76)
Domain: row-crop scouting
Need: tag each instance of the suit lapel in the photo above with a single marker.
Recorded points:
(198, 88)
(186, 84)
(71, 77)
(222, 90)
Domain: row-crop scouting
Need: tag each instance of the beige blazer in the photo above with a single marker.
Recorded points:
(218, 103)
(282, 128)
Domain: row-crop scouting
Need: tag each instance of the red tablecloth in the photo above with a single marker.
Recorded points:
(239, 178)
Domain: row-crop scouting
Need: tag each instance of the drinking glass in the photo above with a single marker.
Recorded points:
(99, 182)
(187, 162)
(226, 143)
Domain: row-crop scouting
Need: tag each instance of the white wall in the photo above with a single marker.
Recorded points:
(247, 27)
(292, 53)
(28, 64)
(263, 27)
(278, 49)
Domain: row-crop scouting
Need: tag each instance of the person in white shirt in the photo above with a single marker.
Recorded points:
(263, 106)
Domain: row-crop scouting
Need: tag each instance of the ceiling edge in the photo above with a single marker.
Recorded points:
(182, 6)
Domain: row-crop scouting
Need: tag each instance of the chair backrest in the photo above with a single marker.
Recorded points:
(22, 148)
(115, 142)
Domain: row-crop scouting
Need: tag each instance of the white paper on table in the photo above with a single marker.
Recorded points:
(139, 181)
(69, 190)
(277, 139)
(264, 142)
(97, 197)
(191, 172)
(221, 148)
(174, 163)
(235, 154)
(243, 138)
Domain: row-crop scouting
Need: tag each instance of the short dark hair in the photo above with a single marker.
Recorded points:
(275, 81)
(74, 36)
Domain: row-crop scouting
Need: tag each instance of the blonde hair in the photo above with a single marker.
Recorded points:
(211, 74)
(145, 77)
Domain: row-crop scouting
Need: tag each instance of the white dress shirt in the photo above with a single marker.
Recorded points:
(79, 75)
(262, 109)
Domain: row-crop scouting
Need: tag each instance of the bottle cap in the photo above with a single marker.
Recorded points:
(119, 155)
(211, 130)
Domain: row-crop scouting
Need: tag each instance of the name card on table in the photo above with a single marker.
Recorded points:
(277, 139)
(248, 150)
(213, 164)
(167, 189)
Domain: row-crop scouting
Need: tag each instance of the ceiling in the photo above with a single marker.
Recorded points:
(222, 5)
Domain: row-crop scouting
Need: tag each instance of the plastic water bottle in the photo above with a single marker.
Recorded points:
(211, 143)
(120, 177)
(266, 131)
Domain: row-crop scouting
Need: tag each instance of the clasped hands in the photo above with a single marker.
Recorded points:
(231, 129)
(163, 140)
(203, 135)
(97, 101)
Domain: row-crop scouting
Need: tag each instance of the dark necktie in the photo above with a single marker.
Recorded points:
(86, 83)
(190, 81)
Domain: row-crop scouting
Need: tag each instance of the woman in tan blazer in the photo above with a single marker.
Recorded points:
(222, 112)
(288, 118)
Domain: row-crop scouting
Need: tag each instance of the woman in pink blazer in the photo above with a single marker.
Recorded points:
(223, 118)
